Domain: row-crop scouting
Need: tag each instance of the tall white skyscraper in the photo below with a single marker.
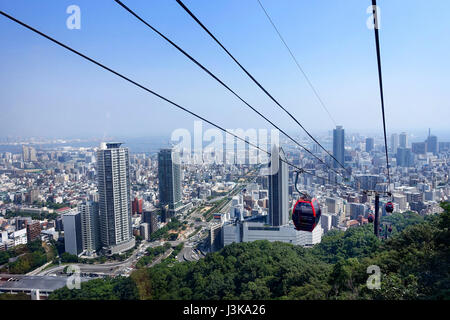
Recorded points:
(394, 142)
(90, 227)
(114, 188)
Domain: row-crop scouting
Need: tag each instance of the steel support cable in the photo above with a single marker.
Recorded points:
(147, 89)
(258, 84)
(316, 93)
(221, 82)
(380, 80)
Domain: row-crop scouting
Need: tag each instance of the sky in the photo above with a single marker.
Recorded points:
(46, 91)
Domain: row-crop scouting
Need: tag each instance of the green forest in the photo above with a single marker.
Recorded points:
(413, 260)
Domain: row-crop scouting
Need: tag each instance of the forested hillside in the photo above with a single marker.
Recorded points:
(414, 263)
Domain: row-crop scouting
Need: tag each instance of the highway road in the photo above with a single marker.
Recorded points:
(188, 253)
(111, 268)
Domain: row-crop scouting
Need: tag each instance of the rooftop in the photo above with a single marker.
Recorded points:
(26, 283)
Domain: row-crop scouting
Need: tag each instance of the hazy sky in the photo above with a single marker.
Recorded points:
(48, 91)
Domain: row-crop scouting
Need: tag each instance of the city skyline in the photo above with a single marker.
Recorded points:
(224, 150)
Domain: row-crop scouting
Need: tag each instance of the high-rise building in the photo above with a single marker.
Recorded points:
(403, 140)
(25, 154)
(28, 154)
(215, 237)
(33, 231)
(338, 146)
(136, 207)
(369, 181)
(21, 222)
(419, 147)
(32, 196)
(33, 156)
(357, 209)
(72, 232)
(90, 227)
(326, 222)
(432, 144)
(369, 144)
(114, 189)
(144, 231)
(404, 157)
(150, 217)
(278, 190)
(59, 225)
(169, 176)
(394, 142)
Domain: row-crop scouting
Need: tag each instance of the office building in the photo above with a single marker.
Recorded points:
(432, 144)
(237, 207)
(19, 237)
(72, 232)
(419, 147)
(404, 157)
(25, 153)
(144, 231)
(32, 196)
(357, 209)
(369, 144)
(151, 218)
(403, 140)
(278, 190)
(28, 154)
(33, 231)
(400, 201)
(169, 176)
(338, 146)
(21, 222)
(114, 190)
(394, 142)
(90, 227)
(33, 156)
(326, 222)
(239, 231)
(215, 237)
(59, 226)
(136, 206)
(369, 181)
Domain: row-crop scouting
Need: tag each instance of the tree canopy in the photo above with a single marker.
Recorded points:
(414, 264)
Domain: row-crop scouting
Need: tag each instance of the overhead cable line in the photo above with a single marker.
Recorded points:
(148, 90)
(257, 83)
(380, 79)
(316, 93)
(221, 82)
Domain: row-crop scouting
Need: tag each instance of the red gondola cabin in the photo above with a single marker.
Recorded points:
(389, 207)
(306, 214)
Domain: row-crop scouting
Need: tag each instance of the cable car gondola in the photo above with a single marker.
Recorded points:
(306, 212)
(389, 207)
